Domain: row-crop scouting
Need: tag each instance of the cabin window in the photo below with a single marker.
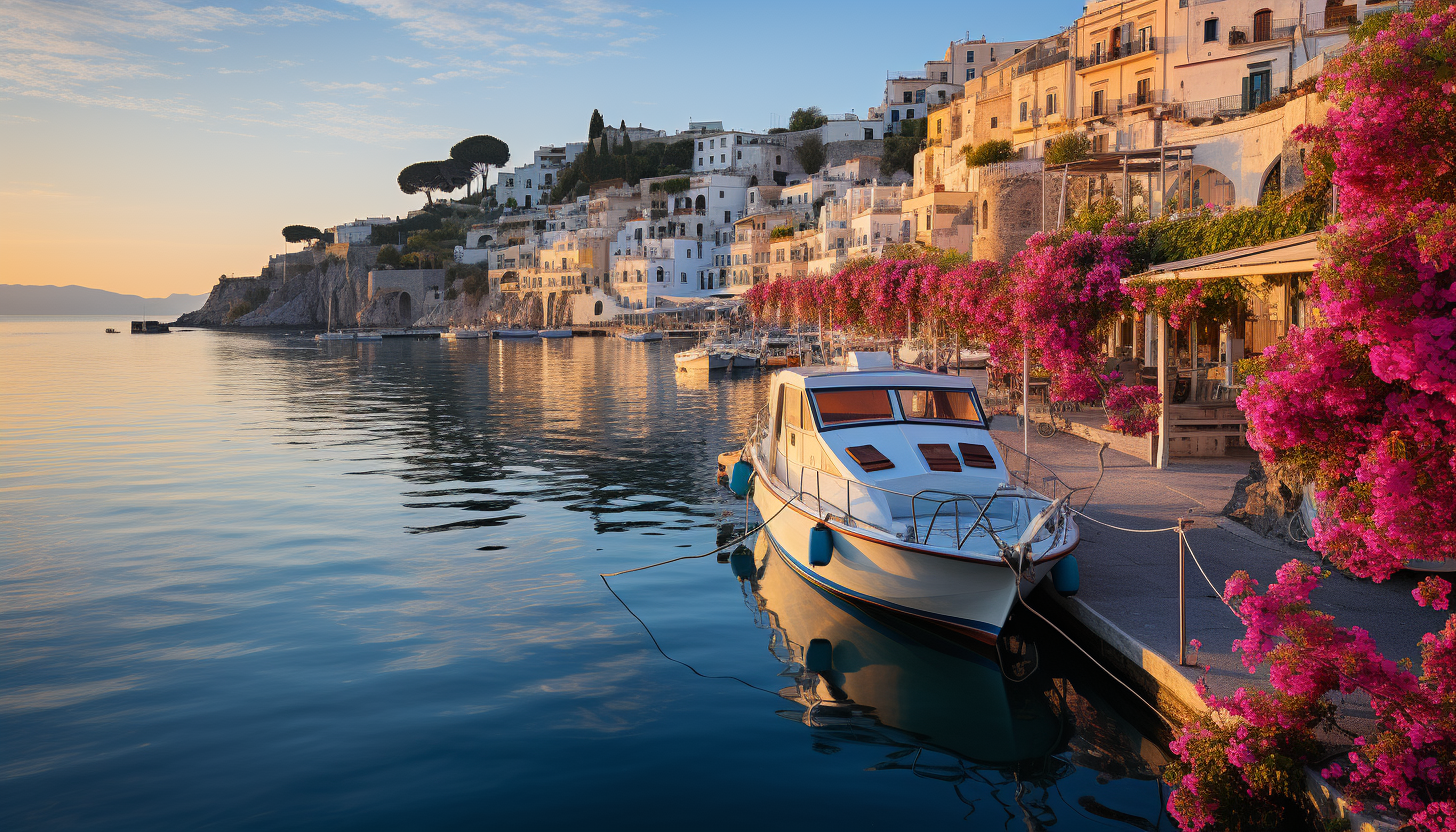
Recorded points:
(939, 406)
(843, 407)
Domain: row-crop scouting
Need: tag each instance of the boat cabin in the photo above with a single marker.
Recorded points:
(902, 431)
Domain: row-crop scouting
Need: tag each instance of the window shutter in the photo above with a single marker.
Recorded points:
(1246, 93)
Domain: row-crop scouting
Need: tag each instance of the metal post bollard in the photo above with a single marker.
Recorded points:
(1183, 524)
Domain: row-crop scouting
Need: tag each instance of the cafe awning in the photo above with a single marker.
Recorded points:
(1291, 255)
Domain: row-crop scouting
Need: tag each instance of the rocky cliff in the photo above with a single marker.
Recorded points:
(297, 294)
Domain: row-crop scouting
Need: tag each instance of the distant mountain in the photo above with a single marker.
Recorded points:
(79, 300)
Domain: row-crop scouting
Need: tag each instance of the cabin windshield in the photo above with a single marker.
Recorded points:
(844, 407)
(943, 406)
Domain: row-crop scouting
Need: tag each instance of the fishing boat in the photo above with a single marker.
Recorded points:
(514, 333)
(884, 486)
(745, 358)
(112, 331)
(642, 336)
(462, 333)
(556, 333)
(704, 357)
(329, 334)
(149, 328)
(780, 351)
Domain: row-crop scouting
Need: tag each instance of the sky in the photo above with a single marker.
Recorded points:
(149, 146)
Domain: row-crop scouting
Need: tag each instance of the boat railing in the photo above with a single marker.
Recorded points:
(944, 507)
(1035, 476)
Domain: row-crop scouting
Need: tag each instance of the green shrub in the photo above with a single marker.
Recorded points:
(388, 256)
(781, 232)
(1067, 148)
(989, 153)
(671, 186)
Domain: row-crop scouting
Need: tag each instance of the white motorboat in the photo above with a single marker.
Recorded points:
(974, 359)
(885, 486)
(556, 333)
(642, 336)
(910, 353)
(704, 357)
(513, 333)
(462, 333)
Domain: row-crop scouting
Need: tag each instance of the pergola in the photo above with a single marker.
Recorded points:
(1127, 164)
(1290, 256)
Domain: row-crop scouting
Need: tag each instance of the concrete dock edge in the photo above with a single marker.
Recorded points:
(1170, 690)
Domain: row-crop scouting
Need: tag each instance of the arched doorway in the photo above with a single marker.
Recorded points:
(702, 203)
(406, 308)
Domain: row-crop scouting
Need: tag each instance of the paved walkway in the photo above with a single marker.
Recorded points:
(1131, 579)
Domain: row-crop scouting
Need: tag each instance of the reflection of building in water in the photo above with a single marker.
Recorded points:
(943, 709)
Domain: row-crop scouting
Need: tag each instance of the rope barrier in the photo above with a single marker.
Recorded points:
(1120, 528)
(1209, 580)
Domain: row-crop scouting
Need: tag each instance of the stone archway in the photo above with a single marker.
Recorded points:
(406, 309)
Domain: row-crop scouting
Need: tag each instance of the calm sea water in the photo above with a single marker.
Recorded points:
(248, 582)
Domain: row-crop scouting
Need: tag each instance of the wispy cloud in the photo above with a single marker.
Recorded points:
(507, 28)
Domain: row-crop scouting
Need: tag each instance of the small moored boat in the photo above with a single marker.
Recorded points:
(556, 333)
(642, 336)
(885, 486)
(514, 333)
(704, 357)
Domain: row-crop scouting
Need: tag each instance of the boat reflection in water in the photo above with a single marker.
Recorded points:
(997, 721)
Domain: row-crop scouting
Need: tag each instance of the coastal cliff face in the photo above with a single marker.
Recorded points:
(298, 298)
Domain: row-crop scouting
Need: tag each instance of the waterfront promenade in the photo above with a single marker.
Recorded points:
(1131, 580)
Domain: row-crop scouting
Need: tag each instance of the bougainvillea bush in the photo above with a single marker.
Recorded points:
(1363, 404)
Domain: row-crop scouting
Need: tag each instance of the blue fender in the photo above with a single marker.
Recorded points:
(821, 545)
(1066, 578)
(739, 478)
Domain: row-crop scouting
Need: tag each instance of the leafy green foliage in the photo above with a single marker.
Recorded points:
(780, 232)
(389, 234)
(474, 280)
(596, 126)
(1069, 147)
(989, 153)
(388, 256)
(480, 154)
(301, 233)
(671, 186)
(427, 177)
(625, 161)
(807, 118)
(900, 149)
(811, 154)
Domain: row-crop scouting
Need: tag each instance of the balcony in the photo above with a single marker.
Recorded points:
(1116, 53)
(1249, 37)
(1344, 17)
(1228, 106)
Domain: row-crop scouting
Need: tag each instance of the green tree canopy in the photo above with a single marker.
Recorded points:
(481, 153)
(1067, 148)
(811, 154)
(442, 175)
(596, 127)
(301, 233)
(807, 118)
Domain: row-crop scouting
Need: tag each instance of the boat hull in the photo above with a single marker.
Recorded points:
(643, 336)
(513, 333)
(971, 595)
(706, 361)
(744, 362)
(556, 333)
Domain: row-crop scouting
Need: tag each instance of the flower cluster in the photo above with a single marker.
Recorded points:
(1134, 409)
(1363, 404)
(1055, 299)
